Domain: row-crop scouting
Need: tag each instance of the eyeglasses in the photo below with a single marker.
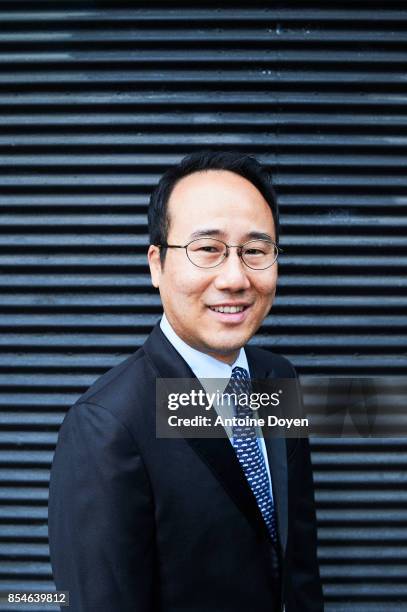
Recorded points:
(210, 252)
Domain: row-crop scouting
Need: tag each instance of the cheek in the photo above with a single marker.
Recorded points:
(265, 296)
(186, 285)
(266, 287)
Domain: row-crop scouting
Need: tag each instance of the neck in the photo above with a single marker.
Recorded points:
(228, 358)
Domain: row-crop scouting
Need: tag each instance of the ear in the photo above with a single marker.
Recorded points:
(153, 256)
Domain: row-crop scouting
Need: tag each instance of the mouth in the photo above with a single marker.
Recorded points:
(228, 309)
(230, 313)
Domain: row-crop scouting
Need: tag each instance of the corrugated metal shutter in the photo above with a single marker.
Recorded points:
(97, 99)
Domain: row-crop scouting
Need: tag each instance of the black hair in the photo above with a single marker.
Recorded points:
(244, 165)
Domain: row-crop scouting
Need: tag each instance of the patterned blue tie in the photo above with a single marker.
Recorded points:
(249, 454)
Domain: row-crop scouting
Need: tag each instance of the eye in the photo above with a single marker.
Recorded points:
(209, 249)
(254, 252)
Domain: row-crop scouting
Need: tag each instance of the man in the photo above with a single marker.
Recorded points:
(139, 523)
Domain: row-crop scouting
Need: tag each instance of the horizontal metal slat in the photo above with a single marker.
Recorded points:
(365, 572)
(123, 160)
(23, 476)
(24, 550)
(374, 460)
(204, 77)
(117, 221)
(168, 15)
(28, 569)
(19, 532)
(115, 321)
(366, 589)
(386, 342)
(25, 513)
(204, 57)
(19, 495)
(356, 535)
(361, 477)
(351, 498)
(127, 180)
(27, 438)
(90, 281)
(123, 301)
(362, 553)
(23, 457)
(99, 363)
(265, 33)
(180, 99)
(203, 140)
(50, 417)
(364, 516)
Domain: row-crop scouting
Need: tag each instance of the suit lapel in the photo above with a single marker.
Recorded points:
(277, 457)
(218, 453)
(220, 457)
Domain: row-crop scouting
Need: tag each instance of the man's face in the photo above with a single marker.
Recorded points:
(225, 202)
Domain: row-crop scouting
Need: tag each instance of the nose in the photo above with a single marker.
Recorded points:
(232, 273)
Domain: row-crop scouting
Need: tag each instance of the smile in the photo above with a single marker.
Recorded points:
(228, 309)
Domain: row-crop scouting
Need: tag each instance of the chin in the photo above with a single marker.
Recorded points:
(225, 348)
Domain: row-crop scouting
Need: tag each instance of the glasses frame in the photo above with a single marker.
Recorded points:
(239, 248)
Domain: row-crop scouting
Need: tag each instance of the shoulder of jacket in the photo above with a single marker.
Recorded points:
(280, 364)
(114, 381)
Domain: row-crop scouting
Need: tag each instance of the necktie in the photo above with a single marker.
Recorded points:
(249, 454)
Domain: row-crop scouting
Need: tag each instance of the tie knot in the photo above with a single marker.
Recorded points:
(239, 374)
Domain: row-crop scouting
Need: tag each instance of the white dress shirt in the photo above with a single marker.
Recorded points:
(206, 368)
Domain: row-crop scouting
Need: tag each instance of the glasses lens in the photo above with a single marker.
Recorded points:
(206, 252)
(259, 254)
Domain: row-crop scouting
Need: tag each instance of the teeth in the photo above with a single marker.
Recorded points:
(228, 309)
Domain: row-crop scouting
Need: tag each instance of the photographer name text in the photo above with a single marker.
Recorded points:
(206, 421)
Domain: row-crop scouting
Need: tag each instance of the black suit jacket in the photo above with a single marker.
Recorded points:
(143, 524)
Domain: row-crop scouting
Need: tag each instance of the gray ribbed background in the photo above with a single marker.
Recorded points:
(97, 100)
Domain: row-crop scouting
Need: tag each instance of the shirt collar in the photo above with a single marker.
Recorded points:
(202, 365)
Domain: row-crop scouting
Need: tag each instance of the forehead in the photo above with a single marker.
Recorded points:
(220, 199)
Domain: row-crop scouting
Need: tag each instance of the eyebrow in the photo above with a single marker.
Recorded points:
(216, 233)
